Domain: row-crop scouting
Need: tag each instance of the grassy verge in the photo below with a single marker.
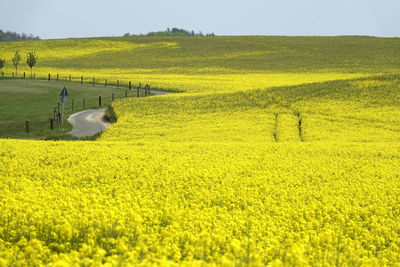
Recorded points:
(68, 137)
(110, 115)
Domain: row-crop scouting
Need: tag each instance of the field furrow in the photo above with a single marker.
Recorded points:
(288, 128)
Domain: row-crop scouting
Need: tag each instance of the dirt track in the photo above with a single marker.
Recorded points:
(88, 122)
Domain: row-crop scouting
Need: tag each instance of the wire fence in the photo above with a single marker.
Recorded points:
(92, 80)
(79, 104)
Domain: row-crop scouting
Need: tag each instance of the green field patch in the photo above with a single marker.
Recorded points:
(34, 101)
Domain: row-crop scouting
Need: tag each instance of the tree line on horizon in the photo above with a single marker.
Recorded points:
(14, 36)
(172, 32)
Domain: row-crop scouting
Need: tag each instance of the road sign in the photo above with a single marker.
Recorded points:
(63, 95)
(63, 99)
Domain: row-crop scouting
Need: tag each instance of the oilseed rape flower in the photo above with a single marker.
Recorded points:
(187, 202)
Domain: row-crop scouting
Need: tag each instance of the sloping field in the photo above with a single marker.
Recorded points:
(213, 64)
(280, 151)
(359, 110)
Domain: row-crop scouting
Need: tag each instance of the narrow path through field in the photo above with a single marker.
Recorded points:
(88, 122)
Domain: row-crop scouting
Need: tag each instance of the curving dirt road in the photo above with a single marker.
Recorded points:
(88, 122)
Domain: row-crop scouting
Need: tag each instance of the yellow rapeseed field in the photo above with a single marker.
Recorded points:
(243, 168)
(219, 203)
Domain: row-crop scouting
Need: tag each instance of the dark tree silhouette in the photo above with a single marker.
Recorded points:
(13, 36)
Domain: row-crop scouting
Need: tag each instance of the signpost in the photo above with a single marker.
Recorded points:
(63, 99)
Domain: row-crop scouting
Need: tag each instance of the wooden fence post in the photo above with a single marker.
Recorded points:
(57, 76)
(69, 78)
(55, 113)
(58, 107)
(113, 97)
(24, 74)
(72, 104)
(129, 85)
(2, 74)
(105, 83)
(84, 103)
(145, 90)
(138, 90)
(117, 83)
(49, 76)
(99, 100)
(149, 89)
(81, 79)
(51, 123)
(27, 127)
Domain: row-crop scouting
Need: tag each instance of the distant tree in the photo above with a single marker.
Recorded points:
(127, 34)
(2, 64)
(16, 60)
(31, 59)
(13, 36)
(2, 36)
(178, 32)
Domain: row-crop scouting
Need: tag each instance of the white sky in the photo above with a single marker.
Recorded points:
(89, 18)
